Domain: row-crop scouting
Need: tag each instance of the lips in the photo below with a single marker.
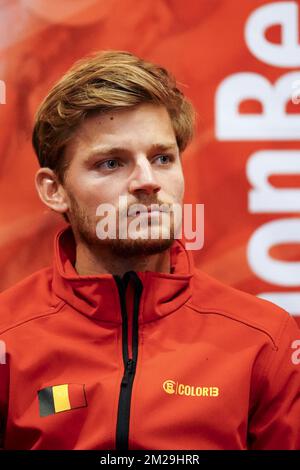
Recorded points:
(148, 210)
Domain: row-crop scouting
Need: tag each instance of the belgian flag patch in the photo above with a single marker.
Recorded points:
(59, 398)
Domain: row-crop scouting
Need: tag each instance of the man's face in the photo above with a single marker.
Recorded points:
(132, 153)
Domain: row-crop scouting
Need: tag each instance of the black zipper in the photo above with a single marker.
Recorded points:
(123, 420)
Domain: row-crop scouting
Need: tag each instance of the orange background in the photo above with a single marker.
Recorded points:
(201, 42)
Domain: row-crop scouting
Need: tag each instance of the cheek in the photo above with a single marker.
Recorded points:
(90, 192)
(177, 187)
(182, 186)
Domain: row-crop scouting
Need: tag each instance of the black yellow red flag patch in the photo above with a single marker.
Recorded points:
(59, 398)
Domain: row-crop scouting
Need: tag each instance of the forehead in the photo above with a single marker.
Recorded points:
(132, 128)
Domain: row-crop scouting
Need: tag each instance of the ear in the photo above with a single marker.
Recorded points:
(50, 190)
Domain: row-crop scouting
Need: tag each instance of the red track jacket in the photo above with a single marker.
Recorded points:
(146, 361)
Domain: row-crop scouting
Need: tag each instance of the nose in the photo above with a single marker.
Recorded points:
(143, 179)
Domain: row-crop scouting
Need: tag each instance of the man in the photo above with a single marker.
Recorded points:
(123, 343)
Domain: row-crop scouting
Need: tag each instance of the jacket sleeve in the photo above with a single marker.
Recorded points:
(274, 422)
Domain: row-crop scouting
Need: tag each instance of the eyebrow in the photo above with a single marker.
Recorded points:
(111, 151)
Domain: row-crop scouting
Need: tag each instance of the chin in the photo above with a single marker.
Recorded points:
(139, 247)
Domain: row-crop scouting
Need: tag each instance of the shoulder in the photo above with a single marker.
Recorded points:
(28, 299)
(211, 296)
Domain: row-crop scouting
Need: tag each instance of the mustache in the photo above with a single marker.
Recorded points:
(147, 201)
(126, 205)
(149, 204)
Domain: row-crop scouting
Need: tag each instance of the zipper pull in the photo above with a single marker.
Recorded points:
(128, 371)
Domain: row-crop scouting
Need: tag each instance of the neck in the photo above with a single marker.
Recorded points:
(89, 262)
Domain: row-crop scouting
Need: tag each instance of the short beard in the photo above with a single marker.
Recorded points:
(84, 228)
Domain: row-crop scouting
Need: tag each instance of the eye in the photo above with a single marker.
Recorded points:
(110, 164)
(164, 159)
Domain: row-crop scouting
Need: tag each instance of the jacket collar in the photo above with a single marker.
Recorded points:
(97, 296)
